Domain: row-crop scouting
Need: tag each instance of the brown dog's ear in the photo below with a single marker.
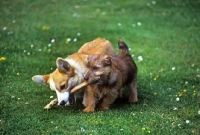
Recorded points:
(113, 77)
(107, 60)
(63, 65)
(41, 79)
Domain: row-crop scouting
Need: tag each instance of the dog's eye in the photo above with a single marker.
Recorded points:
(62, 87)
(95, 68)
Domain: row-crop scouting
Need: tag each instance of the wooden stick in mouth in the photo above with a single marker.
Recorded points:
(79, 87)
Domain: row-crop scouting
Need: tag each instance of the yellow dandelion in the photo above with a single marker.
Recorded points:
(193, 131)
(17, 73)
(2, 58)
(143, 128)
(149, 131)
(194, 91)
(156, 78)
(180, 94)
(155, 93)
(184, 90)
(45, 27)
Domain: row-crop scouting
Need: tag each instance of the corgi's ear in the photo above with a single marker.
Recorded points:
(41, 79)
(107, 60)
(63, 65)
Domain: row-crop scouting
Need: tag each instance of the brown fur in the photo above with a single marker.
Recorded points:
(69, 72)
(108, 74)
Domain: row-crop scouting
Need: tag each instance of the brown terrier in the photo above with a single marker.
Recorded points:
(106, 76)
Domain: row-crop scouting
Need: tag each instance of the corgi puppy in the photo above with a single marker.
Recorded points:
(69, 72)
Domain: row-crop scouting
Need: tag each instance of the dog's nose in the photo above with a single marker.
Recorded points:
(62, 102)
(85, 77)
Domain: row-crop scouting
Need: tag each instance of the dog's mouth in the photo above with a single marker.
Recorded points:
(72, 99)
(65, 97)
(97, 80)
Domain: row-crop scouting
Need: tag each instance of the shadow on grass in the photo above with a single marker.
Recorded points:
(120, 103)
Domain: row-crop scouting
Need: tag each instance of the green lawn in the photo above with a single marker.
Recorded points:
(165, 34)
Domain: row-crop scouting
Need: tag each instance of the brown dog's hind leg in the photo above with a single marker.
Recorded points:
(52, 103)
(133, 92)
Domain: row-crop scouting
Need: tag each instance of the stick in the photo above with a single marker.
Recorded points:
(78, 87)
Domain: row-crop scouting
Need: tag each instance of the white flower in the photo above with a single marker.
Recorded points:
(82, 129)
(187, 121)
(51, 96)
(13, 21)
(39, 50)
(69, 39)
(78, 34)
(173, 68)
(75, 39)
(153, 2)
(119, 24)
(175, 108)
(32, 46)
(140, 58)
(53, 40)
(139, 23)
(177, 99)
(198, 111)
(49, 45)
(186, 83)
(4, 28)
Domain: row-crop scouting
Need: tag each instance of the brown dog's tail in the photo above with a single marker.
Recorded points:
(123, 48)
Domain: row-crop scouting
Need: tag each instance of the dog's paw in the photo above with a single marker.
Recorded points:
(88, 110)
(103, 108)
(133, 100)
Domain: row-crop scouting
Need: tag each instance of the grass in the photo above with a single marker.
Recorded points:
(164, 33)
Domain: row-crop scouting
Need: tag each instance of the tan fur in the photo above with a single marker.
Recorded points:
(69, 75)
(108, 75)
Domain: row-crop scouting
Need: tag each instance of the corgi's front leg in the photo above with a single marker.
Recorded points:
(52, 103)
